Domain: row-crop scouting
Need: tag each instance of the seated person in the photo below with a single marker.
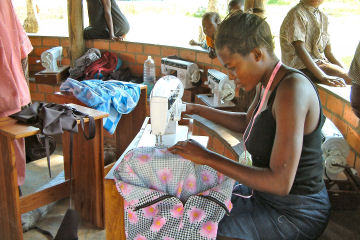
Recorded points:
(354, 73)
(210, 21)
(305, 45)
(282, 195)
(236, 5)
(106, 21)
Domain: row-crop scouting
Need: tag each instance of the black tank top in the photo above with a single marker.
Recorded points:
(97, 17)
(309, 175)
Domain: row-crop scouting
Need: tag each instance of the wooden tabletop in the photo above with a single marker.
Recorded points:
(11, 128)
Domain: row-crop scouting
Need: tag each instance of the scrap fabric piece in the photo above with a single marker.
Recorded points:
(113, 97)
(169, 197)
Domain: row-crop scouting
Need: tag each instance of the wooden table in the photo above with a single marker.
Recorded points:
(129, 124)
(87, 184)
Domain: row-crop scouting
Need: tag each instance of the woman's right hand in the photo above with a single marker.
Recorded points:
(333, 81)
(190, 109)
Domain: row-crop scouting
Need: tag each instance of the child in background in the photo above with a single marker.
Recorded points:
(305, 44)
(210, 21)
(236, 5)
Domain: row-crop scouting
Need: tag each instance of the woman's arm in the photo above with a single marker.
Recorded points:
(291, 108)
(235, 121)
(329, 55)
(311, 65)
(108, 18)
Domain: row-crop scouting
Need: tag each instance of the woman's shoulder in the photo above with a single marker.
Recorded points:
(295, 82)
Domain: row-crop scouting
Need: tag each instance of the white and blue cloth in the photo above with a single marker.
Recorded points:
(113, 97)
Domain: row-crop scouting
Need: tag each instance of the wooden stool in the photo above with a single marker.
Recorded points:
(88, 175)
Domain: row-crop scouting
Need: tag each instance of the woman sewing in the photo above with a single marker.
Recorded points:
(282, 196)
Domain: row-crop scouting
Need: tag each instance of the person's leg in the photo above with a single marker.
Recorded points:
(355, 99)
(92, 33)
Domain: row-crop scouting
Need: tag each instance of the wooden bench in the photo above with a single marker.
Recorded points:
(87, 184)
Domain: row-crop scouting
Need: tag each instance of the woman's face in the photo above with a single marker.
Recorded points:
(243, 69)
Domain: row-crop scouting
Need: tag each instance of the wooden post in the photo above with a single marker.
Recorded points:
(76, 28)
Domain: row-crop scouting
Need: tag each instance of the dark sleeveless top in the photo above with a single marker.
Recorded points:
(97, 17)
(309, 175)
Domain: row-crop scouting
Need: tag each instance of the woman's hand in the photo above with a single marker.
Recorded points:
(333, 81)
(190, 109)
(191, 150)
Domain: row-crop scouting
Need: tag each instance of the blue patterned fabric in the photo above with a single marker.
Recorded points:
(113, 97)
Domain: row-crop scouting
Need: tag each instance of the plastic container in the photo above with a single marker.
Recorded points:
(149, 74)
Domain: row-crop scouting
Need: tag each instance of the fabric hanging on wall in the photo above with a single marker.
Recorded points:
(169, 197)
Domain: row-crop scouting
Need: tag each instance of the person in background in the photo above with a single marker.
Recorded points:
(14, 49)
(236, 5)
(305, 44)
(282, 195)
(354, 73)
(210, 21)
(106, 21)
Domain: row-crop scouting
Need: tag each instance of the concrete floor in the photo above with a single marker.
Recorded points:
(342, 225)
(36, 176)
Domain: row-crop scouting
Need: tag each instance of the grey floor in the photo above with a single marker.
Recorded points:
(36, 176)
(342, 225)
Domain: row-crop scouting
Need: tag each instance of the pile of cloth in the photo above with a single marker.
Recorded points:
(113, 97)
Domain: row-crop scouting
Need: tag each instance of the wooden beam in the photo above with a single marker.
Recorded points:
(76, 28)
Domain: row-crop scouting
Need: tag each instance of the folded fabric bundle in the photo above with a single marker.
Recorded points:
(113, 97)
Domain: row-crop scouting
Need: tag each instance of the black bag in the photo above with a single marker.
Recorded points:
(35, 147)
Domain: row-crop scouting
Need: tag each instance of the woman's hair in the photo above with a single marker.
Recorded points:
(212, 15)
(242, 32)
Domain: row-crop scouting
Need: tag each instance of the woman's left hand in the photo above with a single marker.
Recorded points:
(191, 150)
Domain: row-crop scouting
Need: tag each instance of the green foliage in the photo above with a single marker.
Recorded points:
(279, 2)
(346, 60)
(199, 12)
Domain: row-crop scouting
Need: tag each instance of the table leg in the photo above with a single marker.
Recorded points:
(88, 173)
(10, 218)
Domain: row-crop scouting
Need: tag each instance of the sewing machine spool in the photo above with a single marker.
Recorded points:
(52, 77)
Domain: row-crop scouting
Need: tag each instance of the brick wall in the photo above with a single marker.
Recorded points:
(134, 55)
(339, 111)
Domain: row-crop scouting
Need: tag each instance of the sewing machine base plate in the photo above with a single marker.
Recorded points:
(208, 99)
(52, 78)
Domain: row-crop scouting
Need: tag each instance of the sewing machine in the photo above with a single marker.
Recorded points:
(187, 72)
(165, 112)
(223, 90)
(51, 61)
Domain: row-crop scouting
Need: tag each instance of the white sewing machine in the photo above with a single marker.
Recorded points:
(54, 72)
(187, 72)
(222, 88)
(50, 59)
(165, 112)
